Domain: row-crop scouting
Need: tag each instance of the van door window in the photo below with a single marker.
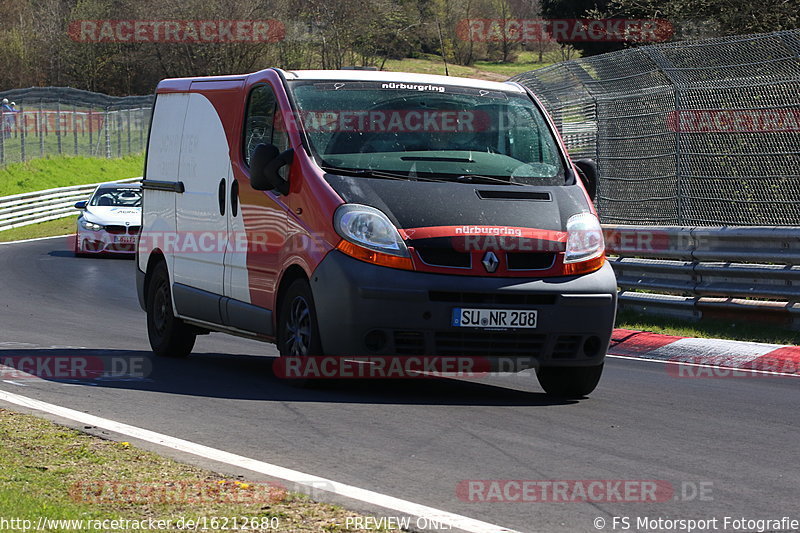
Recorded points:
(263, 123)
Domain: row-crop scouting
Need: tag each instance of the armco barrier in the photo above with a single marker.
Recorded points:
(695, 272)
(40, 206)
(689, 272)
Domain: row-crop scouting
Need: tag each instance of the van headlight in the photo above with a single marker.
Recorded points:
(369, 235)
(91, 226)
(584, 243)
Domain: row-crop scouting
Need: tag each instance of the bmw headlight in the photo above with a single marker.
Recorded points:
(91, 226)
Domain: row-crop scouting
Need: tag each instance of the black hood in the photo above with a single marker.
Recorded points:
(416, 204)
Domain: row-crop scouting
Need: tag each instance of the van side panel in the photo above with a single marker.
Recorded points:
(163, 156)
(201, 219)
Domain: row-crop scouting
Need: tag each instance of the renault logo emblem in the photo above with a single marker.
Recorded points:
(490, 262)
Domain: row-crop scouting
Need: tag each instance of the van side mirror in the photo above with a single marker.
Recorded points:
(587, 170)
(80, 205)
(264, 166)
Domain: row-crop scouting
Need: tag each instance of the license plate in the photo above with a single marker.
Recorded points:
(125, 239)
(494, 318)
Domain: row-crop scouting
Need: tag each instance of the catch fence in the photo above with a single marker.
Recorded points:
(54, 121)
(699, 133)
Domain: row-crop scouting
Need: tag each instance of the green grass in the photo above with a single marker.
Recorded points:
(58, 473)
(52, 172)
(434, 65)
(524, 62)
(487, 70)
(61, 226)
(741, 330)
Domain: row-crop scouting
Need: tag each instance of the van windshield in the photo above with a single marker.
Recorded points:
(427, 131)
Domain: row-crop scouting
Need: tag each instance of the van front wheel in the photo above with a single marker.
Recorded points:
(169, 335)
(569, 381)
(298, 332)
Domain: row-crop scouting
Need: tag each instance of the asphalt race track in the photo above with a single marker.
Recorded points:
(735, 438)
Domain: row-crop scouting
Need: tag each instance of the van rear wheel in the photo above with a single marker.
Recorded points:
(569, 381)
(169, 335)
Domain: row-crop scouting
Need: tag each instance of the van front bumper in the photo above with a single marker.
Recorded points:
(365, 309)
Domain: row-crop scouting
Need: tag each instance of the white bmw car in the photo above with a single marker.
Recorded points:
(110, 220)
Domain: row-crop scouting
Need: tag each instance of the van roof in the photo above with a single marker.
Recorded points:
(399, 77)
(183, 84)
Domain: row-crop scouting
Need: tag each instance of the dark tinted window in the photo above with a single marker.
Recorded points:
(260, 122)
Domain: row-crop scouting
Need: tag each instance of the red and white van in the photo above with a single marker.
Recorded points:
(355, 213)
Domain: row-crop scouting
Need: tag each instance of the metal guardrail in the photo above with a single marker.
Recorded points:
(689, 272)
(40, 206)
(698, 272)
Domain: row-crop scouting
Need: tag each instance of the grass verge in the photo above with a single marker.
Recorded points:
(429, 65)
(48, 173)
(58, 473)
(485, 70)
(51, 228)
(708, 328)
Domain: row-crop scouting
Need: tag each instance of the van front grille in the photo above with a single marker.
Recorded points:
(489, 298)
(444, 257)
(488, 343)
(409, 342)
(566, 347)
(530, 260)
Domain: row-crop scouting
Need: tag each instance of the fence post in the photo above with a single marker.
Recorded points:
(665, 66)
(141, 128)
(58, 127)
(90, 114)
(75, 128)
(2, 138)
(129, 129)
(42, 128)
(119, 132)
(19, 123)
(106, 125)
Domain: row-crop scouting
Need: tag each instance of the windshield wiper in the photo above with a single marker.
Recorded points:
(375, 174)
(475, 178)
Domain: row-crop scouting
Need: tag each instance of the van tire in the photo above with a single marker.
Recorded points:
(569, 381)
(169, 336)
(298, 330)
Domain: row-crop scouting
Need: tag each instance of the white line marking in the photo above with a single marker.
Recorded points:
(14, 383)
(664, 362)
(299, 478)
(38, 239)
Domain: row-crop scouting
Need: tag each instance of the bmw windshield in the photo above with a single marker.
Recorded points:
(424, 131)
(117, 197)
